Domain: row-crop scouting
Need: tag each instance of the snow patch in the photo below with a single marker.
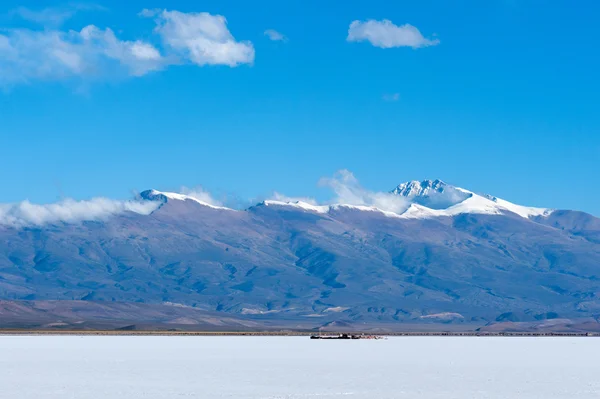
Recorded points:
(250, 311)
(325, 209)
(364, 208)
(336, 309)
(298, 204)
(443, 316)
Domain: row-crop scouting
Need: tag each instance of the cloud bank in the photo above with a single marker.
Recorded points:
(385, 34)
(52, 54)
(345, 188)
(69, 211)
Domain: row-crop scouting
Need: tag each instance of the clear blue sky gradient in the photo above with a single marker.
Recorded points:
(508, 104)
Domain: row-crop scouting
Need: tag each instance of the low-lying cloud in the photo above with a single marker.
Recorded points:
(201, 195)
(345, 188)
(348, 191)
(70, 211)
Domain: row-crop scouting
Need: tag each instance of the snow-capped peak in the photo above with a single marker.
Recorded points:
(424, 200)
(163, 196)
(419, 188)
(434, 194)
(431, 198)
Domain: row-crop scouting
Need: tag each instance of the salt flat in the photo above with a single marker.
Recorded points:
(33, 367)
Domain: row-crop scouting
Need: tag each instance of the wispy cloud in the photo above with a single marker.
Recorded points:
(52, 54)
(201, 195)
(69, 211)
(200, 38)
(275, 36)
(391, 97)
(385, 34)
(53, 16)
(348, 190)
(47, 16)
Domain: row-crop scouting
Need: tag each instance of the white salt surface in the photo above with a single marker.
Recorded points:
(37, 367)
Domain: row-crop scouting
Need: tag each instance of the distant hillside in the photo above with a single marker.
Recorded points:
(450, 257)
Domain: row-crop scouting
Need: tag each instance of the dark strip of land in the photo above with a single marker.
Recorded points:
(108, 318)
(5, 332)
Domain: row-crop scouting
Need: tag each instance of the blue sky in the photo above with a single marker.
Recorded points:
(498, 96)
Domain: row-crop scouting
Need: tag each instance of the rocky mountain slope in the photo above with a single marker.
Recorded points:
(448, 256)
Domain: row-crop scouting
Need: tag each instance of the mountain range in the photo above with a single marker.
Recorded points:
(428, 255)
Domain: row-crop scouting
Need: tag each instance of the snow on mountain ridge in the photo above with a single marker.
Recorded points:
(298, 204)
(164, 196)
(426, 191)
(327, 208)
(425, 199)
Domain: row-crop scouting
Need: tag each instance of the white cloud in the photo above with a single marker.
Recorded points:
(69, 211)
(144, 51)
(348, 191)
(149, 12)
(139, 57)
(385, 34)
(200, 38)
(275, 36)
(391, 97)
(27, 55)
(51, 54)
